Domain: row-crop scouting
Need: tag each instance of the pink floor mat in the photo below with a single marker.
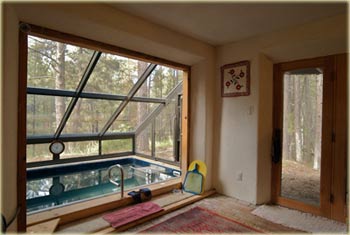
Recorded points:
(131, 213)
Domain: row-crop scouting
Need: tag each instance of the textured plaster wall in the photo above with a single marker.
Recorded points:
(243, 125)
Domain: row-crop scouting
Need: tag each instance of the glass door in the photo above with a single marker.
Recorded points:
(302, 135)
(302, 169)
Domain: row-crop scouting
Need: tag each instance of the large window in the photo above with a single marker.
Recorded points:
(101, 101)
(99, 104)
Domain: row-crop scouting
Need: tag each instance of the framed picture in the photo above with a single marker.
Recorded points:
(235, 79)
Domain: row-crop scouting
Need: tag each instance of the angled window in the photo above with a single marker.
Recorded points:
(160, 83)
(90, 115)
(133, 115)
(95, 102)
(55, 65)
(44, 113)
(90, 109)
(115, 75)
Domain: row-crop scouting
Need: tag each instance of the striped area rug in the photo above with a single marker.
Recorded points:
(300, 220)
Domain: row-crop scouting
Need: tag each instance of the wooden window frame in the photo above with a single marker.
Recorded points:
(30, 29)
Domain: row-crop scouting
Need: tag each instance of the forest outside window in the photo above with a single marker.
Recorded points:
(99, 104)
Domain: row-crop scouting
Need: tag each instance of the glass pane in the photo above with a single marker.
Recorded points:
(90, 116)
(132, 116)
(144, 141)
(55, 65)
(160, 83)
(80, 149)
(164, 131)
(44, 113)
(302, 128)
(38, 152)
(115, 75)
(116, 146)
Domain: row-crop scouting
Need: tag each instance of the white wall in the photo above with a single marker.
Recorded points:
(237, 147)
(242, 140)
(105, 24)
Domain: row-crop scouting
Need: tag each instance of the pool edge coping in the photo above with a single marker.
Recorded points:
(87, 208)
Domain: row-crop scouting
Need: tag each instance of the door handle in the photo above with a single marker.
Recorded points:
(276, 150)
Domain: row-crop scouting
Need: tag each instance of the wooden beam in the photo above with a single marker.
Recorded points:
(339, 208)
(22, 132)
(277, 124)
(185, 124)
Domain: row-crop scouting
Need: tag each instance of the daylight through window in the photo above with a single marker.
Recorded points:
(99, 104)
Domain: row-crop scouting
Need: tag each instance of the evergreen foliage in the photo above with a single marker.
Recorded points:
(56, 65)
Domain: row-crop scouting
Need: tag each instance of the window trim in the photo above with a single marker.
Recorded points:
(96, 45)
(29, 29)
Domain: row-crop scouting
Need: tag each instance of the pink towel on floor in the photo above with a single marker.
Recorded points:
(131, 213)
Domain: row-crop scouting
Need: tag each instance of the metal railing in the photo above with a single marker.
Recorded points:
(121, 185)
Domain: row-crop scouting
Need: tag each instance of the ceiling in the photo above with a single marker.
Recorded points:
(222, 23)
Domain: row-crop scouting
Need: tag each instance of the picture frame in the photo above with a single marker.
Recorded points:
(235, 79)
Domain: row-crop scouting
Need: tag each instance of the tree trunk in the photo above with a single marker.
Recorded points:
(59, 81)
(286, 114)
(307, 114)
(297, 121)
(78, 124)
(142, 107)
(318, 123)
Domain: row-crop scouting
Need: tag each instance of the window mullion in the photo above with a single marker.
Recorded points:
(157, 111)
(83, 81)
(130, 95)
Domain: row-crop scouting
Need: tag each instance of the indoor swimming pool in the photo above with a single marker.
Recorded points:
(58, 185)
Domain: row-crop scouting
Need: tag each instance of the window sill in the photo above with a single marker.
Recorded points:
(87, 208)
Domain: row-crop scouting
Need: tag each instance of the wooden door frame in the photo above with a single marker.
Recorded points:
(30, 29)
(327, 64)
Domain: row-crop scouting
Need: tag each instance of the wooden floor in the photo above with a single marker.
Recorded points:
(226, 206)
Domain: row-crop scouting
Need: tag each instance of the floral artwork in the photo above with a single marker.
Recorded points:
(235, 79)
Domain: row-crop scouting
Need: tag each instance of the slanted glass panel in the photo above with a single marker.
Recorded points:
(116, 146)
(38, 152)
(144, 141)
(132, 116)
(165, 132)
(55, 65)
(90, 115)
(160, 83)
(80, 149)
(115, 75)
(44, 113)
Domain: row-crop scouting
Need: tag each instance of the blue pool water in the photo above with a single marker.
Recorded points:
(74, 182)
